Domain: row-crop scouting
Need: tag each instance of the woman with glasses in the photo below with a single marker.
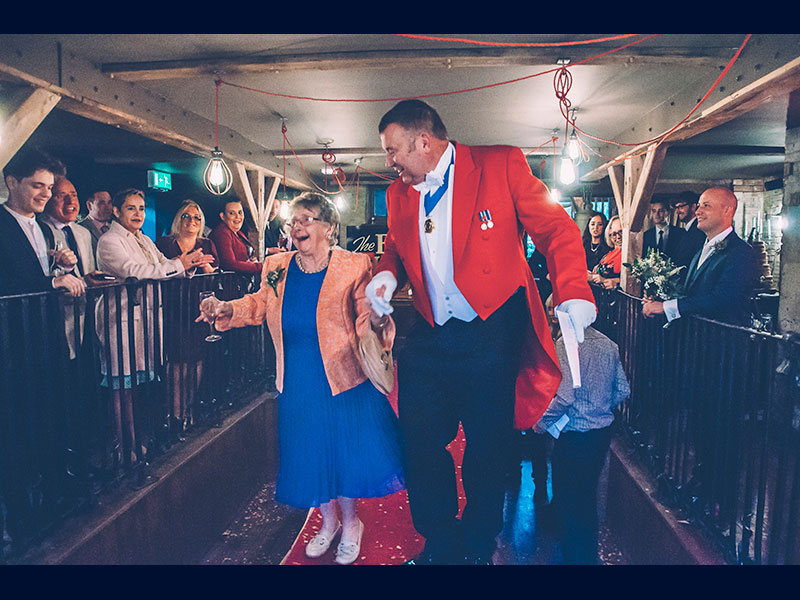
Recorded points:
(607, 271)
(338, 434)
(185, 352)
(186, 235)
(125, 252)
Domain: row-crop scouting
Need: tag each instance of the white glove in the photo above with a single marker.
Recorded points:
(381, 303)
(582, 313)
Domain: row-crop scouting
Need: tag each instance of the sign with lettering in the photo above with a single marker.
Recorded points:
(367, 238)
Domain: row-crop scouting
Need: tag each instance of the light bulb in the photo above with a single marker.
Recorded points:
(566, 174)
(216, 176)
(284, 210)
(573, 147)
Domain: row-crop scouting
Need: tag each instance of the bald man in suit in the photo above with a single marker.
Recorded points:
(723, 275)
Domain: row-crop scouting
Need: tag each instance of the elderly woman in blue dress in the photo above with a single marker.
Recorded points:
(337, 433)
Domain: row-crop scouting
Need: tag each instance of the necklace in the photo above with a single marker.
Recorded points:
(595, 247)
(299, 262)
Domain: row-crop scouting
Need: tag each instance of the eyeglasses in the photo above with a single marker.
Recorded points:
(304, 221)
(186, 216)
(680, 205)
(615, 234)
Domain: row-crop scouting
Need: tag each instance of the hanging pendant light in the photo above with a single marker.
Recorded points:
(217, 177)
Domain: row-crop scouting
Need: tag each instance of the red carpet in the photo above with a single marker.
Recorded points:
(389, 535)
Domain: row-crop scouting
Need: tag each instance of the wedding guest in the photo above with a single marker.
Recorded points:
(99, 218)
(27, 247)
(184, 355)
(275, 237)
(234, 250)
(125, 252)
(338, 435)
(608, 270)
(186, 235)
(722, 277)
(685, 206)
(594, 240)
(60, 215)
(580, 449)
(663, 235)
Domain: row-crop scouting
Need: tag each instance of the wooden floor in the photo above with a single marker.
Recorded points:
(264, 531)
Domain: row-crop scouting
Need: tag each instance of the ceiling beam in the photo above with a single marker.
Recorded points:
(24, 121)
(88, 93)
(412, 59)
(745, 97)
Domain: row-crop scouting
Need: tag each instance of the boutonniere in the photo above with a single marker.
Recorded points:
(718, 247)
(273, 277)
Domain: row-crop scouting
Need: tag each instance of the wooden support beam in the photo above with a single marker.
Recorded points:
(24, 121)
(408, 59)
(639, 179)
(615, 176)
(251, 188)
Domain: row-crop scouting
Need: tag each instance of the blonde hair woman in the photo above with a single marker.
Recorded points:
(607, 271)
(186, 235)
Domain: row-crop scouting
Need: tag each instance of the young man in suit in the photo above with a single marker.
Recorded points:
(482, 354)
(685, 206)
(721, 278)
(663, 236)
(27, 254)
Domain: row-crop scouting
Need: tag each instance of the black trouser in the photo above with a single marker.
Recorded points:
(460, 372)
(578, 459)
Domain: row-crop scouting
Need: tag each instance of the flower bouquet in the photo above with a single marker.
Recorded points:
(659, 276)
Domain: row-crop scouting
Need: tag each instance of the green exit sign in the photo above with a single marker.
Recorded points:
(159, 181)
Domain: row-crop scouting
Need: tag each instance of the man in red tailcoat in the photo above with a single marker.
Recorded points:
(482, 353)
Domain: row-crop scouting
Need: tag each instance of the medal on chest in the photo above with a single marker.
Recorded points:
(486, 220)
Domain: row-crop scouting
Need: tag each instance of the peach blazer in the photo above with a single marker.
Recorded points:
(342, 315)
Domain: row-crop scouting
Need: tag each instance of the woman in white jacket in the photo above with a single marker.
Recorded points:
(125, 252)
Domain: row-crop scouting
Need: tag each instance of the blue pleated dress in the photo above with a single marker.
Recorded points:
(344, 445)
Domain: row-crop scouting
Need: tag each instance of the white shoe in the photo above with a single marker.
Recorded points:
(320, 543)
(348, 552)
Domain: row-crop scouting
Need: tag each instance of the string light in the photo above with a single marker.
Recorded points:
(217, 177)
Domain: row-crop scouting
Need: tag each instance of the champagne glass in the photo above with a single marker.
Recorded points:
(213, 336)
(57, 247)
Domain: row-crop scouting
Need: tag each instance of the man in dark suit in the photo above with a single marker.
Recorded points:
(663, 236)
(481, 354)
(721, 277)
(35, 460)
(27, 255)
(685, 205)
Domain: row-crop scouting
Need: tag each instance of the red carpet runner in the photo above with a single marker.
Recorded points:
(389, 535)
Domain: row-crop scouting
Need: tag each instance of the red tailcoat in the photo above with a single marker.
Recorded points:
(490, 265)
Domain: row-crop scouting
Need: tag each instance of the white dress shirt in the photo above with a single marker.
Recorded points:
(671, 306)
(35, 236)
(436, 247)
